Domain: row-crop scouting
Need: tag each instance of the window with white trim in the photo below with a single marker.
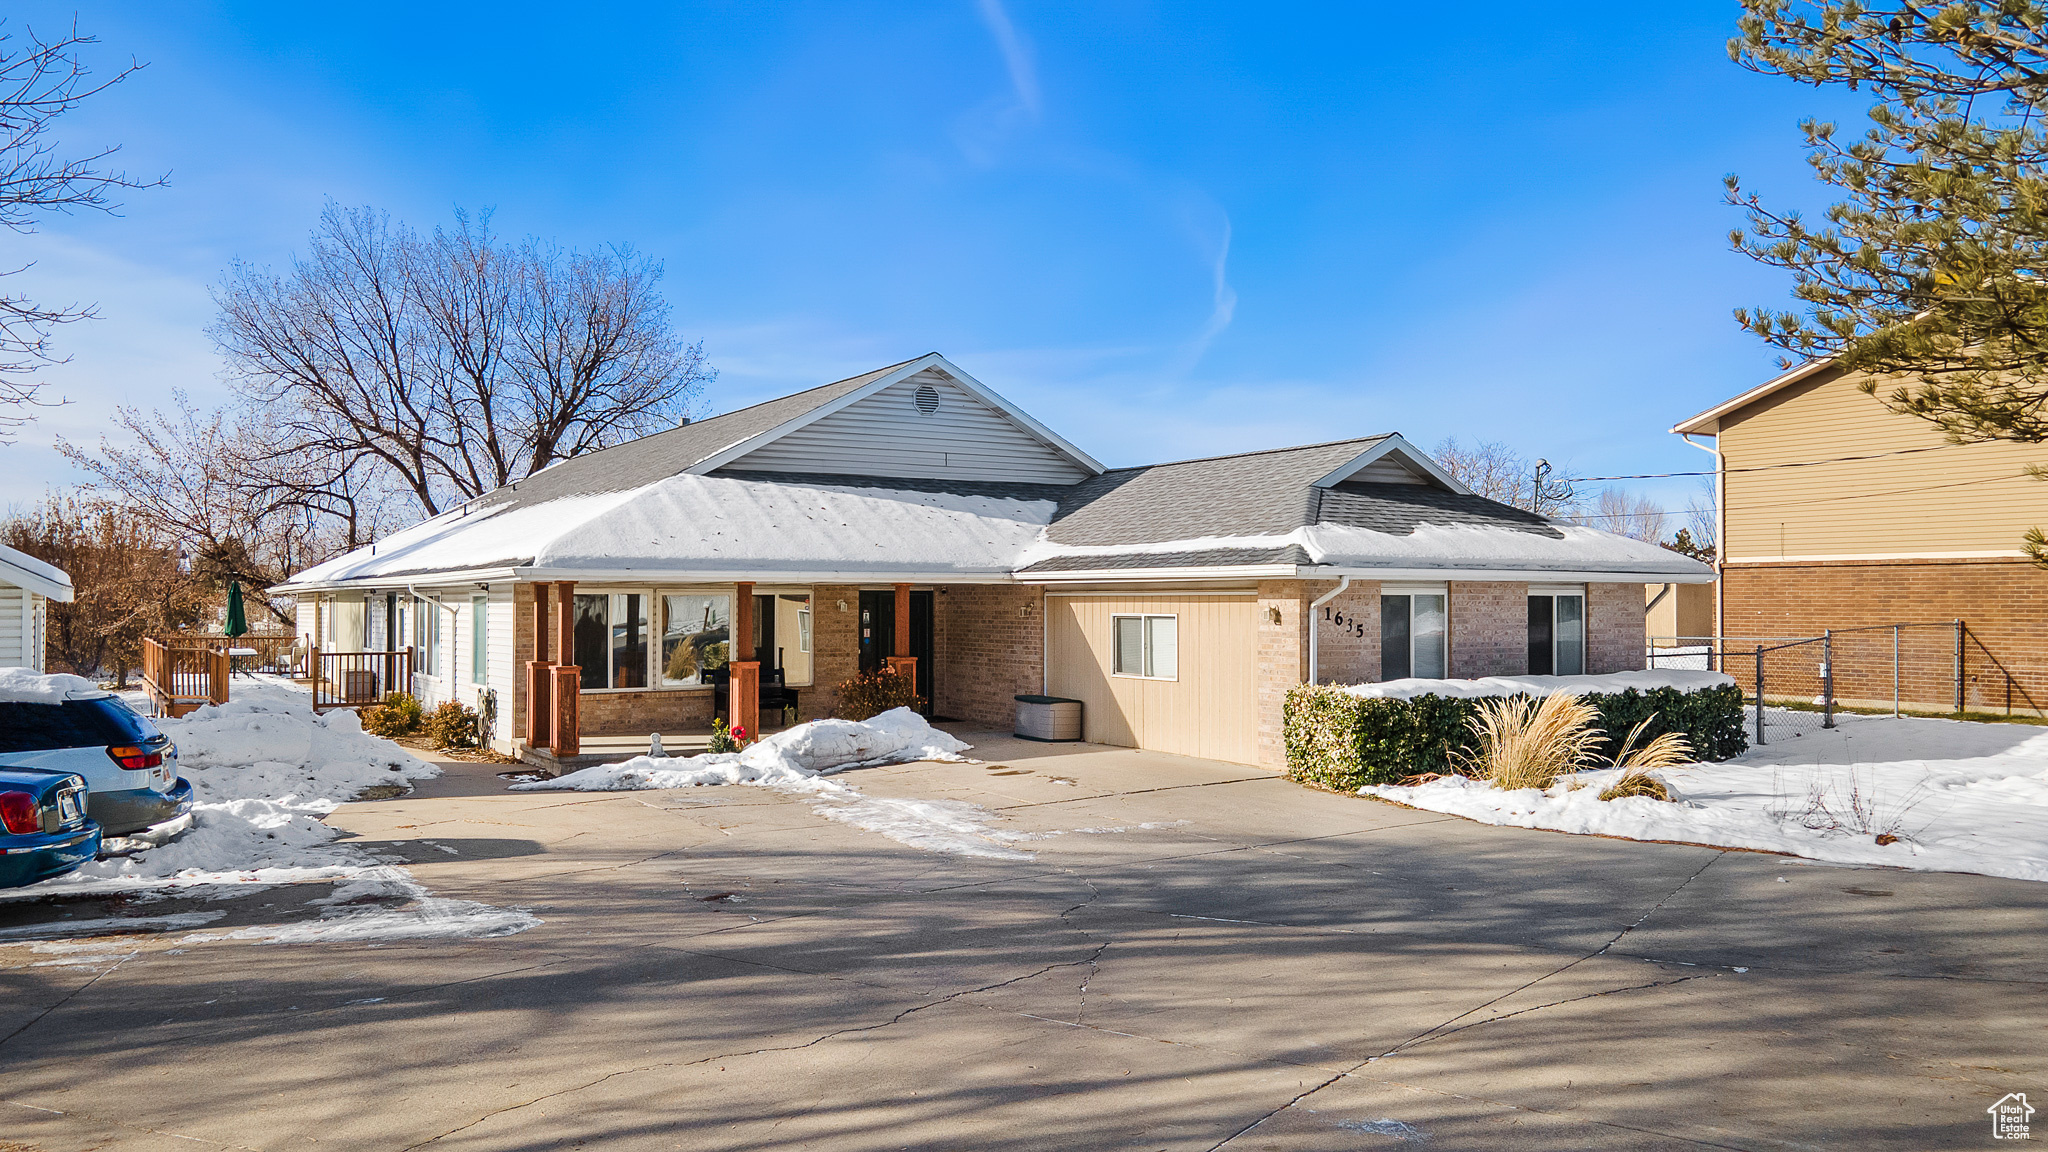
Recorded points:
(426, 623)
(479, 639)
(1146, 646)
(696, 638)
(1414, 629)
(1557, 632)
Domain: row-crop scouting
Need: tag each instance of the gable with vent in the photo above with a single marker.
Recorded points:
(928, 426)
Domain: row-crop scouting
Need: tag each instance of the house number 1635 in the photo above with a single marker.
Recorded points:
(1351, 624)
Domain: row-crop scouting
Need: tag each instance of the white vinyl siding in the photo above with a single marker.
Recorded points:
(18, 629)
(887, 434)
(1388, 469)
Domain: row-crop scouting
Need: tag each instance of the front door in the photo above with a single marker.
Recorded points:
(878, 635)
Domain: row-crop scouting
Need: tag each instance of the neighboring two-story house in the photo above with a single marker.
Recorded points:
(1839, 513)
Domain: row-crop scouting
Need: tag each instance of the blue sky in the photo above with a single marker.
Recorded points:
(1165, 229)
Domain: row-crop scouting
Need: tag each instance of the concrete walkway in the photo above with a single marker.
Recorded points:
(1246, 965)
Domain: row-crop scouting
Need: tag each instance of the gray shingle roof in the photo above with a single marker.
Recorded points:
(1401, 508)
(664, 454)
(1211, 558)
(1252, 494)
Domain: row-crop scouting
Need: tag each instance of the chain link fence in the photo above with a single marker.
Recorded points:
(1795, 684)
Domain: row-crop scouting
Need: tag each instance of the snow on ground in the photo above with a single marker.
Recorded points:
(797, 761)
(22, 686)
(264, 770)
(1490, 686)
(1959, 796)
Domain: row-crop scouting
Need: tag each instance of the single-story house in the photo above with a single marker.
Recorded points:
(27, 585)
(912, 516)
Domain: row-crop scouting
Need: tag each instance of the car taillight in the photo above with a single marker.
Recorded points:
(134, 757)
(21, 814)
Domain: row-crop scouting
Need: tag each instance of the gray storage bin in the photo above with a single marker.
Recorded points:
(1048, 718)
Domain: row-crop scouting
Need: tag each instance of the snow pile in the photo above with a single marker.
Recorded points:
(24, 686)
(1491, 686)
(797, 761)
(802, 753)
(264, 770)
(1958, 796)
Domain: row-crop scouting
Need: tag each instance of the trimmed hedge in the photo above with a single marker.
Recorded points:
(1343, 741)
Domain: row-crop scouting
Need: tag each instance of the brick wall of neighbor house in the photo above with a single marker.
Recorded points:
(835, 648)
(2003, 604)
(1282, 656)
(987, 652)
(1615, 628)
(1490, 629)
(1348, 652)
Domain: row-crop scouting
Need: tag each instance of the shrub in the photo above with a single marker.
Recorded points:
(1342, 741)
(873, 693)
(1528, 743)
(723, 740)
(452, 725)
(398, 715)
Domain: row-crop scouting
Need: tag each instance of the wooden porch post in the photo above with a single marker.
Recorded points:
(568, 726)
(540, 713)
(743, 681)
(901, 662)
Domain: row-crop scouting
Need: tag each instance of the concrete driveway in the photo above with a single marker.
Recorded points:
(1246, 964)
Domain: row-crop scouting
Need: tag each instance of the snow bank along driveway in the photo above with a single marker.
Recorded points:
(1958, 796)
(264, 770)
(797, 760)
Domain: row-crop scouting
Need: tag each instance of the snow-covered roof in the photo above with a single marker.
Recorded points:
(25, 571)
(666, 508)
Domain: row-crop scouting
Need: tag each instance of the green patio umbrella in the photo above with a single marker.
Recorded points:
(238, 621)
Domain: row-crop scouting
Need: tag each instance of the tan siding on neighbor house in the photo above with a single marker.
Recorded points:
(1210, 710)
(1955, 499)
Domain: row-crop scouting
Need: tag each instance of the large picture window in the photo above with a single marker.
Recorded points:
(1413, 629)
(696, 638)
(611, 639)
(1557, 632)
(1147, 646)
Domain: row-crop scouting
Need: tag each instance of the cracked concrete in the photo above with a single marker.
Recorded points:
(1267, 968)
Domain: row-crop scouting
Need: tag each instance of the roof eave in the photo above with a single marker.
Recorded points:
(1510, 575)
(1708, 423)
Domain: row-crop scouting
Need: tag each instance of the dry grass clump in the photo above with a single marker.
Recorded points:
(1526, 743)
(1667, 750)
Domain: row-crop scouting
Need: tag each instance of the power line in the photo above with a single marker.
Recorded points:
(1774, 467)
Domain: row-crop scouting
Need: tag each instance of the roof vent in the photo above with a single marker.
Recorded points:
(927, 400)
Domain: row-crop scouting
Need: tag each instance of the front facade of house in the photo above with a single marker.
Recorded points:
(912, 512)
(27, 585)
(1838, 513)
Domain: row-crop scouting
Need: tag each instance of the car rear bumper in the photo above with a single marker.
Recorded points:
(133, 809)
(27, 859)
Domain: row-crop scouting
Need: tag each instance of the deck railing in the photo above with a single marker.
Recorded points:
(353, 679)
(275, 651)
(181, 680)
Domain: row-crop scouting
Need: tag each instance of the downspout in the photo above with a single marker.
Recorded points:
(1720, 531)
(1343, 582)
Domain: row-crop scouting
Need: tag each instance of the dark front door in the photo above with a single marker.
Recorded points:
(878, 635)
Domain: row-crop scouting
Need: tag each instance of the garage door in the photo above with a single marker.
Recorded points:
(1172, 673)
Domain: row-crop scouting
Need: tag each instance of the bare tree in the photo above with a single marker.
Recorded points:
(220, 490)
(1702, 516)
(41, 80)
(128, 579)
(1628, 514)
(1499, 473)
(449, 365)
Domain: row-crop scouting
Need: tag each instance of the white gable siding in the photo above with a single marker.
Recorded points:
(887, 435)
(1389, 469)
(16, 622)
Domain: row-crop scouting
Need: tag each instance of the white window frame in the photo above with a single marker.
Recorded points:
(658, 628)
(653, 595)
(426, 622)
(1411, 591)
(1554, 591)
(480, 639)
(1145, 645)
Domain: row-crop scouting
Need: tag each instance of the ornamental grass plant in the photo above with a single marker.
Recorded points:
(1527, 743)
(1637, 757)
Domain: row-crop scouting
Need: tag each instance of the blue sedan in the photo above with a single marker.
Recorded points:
(44, 829)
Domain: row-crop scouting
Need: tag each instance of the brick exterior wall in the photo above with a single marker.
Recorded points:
(2003, 604)
(1490, 629)
(835, 649)
(1615, 628)
(987, 652)
(672, 711)
(1282, 647)
(1348, 653)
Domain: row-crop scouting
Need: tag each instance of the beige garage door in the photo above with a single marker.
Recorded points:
(1197, 697)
